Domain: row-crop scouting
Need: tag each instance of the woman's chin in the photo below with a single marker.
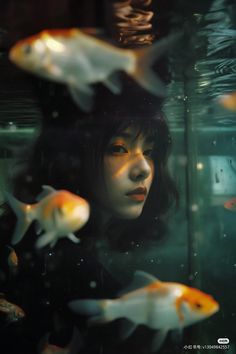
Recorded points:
(130, 214)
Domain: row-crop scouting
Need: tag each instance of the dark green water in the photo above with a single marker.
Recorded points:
(200, 248)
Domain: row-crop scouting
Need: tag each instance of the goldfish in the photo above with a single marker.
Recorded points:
(8, 259)
(12, 258)
(230, 204)
(161, 306)
(12, 311)
(58, 213)
(78, 59)
(74, 345)
(228, 101)
(8, 263)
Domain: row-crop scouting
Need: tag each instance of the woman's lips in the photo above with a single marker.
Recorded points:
(138, 194)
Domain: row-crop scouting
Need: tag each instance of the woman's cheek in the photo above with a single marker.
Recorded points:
(114, 167)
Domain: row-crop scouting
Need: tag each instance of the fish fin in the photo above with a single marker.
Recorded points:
(92, 31)
(57, 214)
(82, 97)
(5, 310)
(43, 342)
(140, 280)
(92, 308)
(113, 83)
(53, 243)
(73, 238)
(38, 228)
(127, 328)
(23, 220)
(177, 335)
(158, 339)
(45, 239)
(76, 342)
(143, 72)
(46, 191)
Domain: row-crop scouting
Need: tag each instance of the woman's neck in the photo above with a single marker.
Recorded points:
(102, 219)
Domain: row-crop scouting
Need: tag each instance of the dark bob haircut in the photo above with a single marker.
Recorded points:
(70, 156)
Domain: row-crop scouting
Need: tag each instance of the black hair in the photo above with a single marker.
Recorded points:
(68, 154)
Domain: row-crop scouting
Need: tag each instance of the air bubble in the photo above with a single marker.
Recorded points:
(55, 114)
(194, 207)
(93, 284)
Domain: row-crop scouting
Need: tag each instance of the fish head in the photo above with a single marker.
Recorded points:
(29, 54)
(197, 305)
(15, 313)
(18, 313)
(71, 211)
(76, 211)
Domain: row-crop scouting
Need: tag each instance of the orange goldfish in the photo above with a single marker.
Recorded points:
(159, 305)
(12, 312)
(230, 204)
(228, 101)
(58, 213)
(12, 258)
(79, 60)
(74, 345)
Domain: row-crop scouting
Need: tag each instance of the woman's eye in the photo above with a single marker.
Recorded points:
(148, 153)
(117, 149)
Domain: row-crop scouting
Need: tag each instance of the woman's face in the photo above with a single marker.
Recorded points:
(128, 174)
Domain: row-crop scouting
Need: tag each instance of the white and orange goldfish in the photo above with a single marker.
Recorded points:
(79, 60)
(159, 305)
(12, 311)
(228, 101)
(230, 204)
(58, 213)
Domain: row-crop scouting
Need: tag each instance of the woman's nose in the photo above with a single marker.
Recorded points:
(140, 168)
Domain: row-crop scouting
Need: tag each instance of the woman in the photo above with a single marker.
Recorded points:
(117, 160)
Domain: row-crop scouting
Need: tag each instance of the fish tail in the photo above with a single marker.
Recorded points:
(22, 212)
(145, 58)
(76, 342)
(95, 309)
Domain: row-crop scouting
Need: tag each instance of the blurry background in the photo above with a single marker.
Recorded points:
(201, 245)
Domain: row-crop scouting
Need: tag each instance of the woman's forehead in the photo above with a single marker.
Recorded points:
(133, 133)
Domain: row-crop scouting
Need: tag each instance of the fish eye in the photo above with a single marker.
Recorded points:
(27, 49)
(198, 305)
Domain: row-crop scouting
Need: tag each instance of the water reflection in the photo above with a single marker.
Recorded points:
(210, 71)
(133, 22)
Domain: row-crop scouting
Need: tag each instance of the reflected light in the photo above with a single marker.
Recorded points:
(200, 166)
(126, 165)
(53, 44)
(132, 22)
